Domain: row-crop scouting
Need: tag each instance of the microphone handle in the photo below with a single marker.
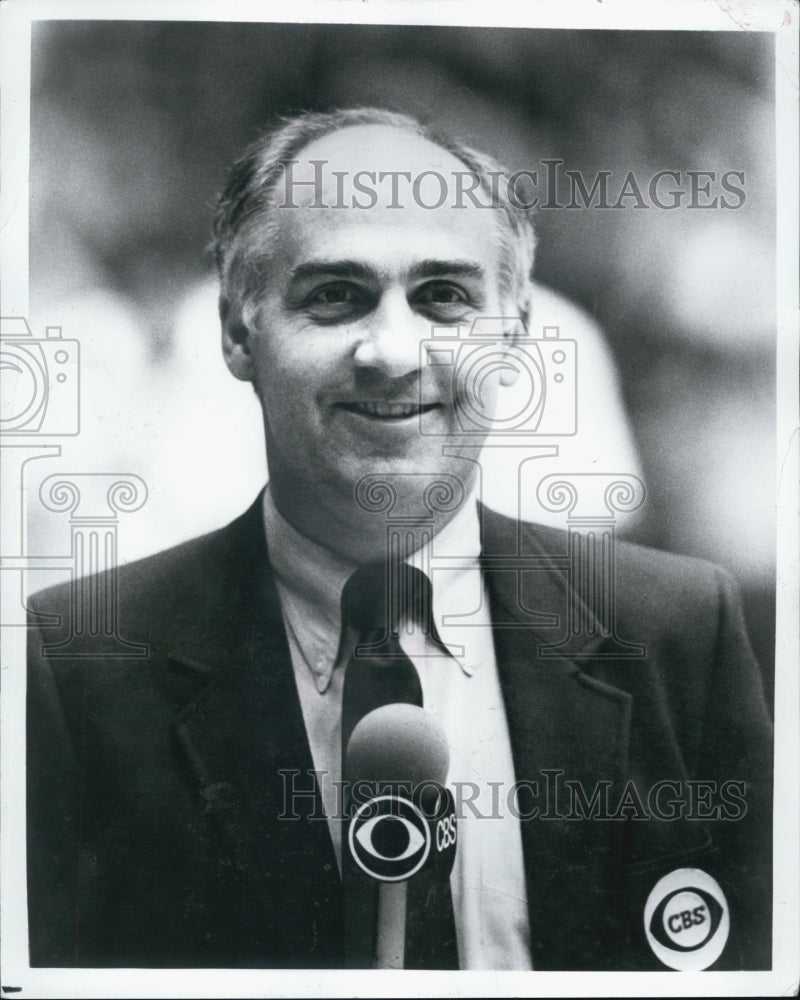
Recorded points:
(390, 945)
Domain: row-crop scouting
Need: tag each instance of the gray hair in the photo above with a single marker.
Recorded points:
(245, 227)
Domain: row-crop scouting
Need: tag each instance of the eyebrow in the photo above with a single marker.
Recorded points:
(357, 269)
(333, 269)
(446, 268)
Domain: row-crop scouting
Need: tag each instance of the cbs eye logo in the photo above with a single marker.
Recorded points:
(686, 920)
(389, 838)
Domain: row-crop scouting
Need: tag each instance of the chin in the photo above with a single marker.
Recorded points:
(404, 491)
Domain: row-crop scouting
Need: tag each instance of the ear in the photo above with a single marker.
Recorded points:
(236, 341)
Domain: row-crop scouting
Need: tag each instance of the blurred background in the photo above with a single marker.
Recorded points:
(134, 124)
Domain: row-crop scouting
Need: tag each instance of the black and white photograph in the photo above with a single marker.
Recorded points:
(400, 549)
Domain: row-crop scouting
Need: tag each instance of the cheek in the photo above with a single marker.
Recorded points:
(293, 370)
(477, 373)
(278, 364)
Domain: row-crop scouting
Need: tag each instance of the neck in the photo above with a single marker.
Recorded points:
(364, 532)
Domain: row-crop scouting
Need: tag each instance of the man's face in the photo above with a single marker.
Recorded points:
(334, 348)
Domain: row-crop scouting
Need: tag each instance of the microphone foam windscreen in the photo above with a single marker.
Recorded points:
(398, 743)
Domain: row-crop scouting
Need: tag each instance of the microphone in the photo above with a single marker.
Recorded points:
(398, 757)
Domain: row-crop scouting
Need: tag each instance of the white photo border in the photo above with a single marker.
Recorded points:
(779, 18)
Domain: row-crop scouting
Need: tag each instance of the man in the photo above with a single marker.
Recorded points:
(184, 809)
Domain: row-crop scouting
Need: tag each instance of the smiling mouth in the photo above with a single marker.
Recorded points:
(388, 411)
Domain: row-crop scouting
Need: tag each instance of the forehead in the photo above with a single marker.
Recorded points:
(386, 196)
(380, 148)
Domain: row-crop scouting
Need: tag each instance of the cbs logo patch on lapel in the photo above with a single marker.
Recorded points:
(686, 920)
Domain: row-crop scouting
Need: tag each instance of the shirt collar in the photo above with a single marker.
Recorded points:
(311, 579)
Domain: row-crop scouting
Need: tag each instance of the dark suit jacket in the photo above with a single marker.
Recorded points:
(155, 785)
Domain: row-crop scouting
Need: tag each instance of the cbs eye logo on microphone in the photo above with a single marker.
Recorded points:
(391, 839)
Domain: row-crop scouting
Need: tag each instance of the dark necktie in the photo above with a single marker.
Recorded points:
(377, 602)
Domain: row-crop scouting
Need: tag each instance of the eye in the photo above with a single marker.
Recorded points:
(334, 294)
(443, 300)
(390, 838)
(443, 293)
(334, 301)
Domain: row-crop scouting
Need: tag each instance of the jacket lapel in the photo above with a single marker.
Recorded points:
(564, 726)
(242, 735)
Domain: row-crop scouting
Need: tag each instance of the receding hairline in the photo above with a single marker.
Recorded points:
(389, 167)
(419, 133)
(255, 178)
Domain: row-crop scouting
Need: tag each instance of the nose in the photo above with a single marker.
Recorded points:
(393, 334)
